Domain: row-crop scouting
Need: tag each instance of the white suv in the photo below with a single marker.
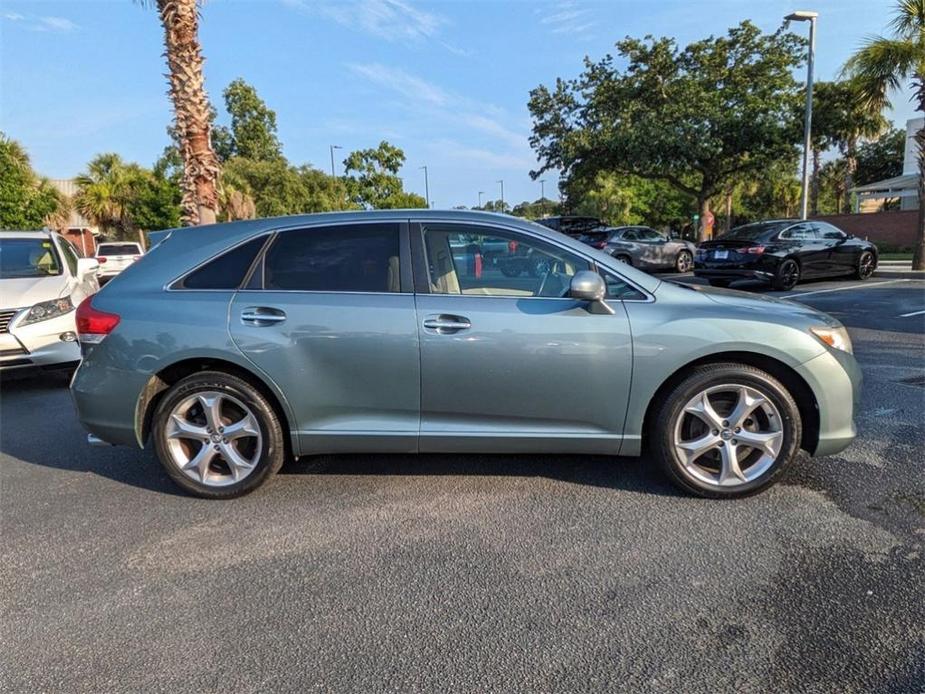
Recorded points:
(42, 281)
(115, 257)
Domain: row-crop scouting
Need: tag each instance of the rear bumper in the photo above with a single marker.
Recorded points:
(106, 399)
(733, 273)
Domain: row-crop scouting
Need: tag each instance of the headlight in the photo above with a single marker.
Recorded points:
(46, 310)
(836, 338)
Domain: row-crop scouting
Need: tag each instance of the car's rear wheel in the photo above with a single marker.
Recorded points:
(787, 275)
(217, 435)
(684, 262)
(623, 258)
(719, 283)
(726, 430)
(867, 263)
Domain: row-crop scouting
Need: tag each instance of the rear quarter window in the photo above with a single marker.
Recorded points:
(227, 271)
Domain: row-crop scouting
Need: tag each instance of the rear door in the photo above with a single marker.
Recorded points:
(508, 361)
(329, 315)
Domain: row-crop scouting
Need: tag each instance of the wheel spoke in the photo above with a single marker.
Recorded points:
(238, 464)
(747, 402)
(694, 449)
(763, 441)
(703, 409)
(200, 462)
(212, 408)
(730, 472)
(242, 428)
(181, 428)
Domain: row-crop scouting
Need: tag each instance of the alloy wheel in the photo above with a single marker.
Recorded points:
(684, 262)
(213, 438)
(728, 435)
(866, 265)
(789, 274)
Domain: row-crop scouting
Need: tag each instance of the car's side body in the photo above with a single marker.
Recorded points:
(51, 340)
(572, 225)
(420, 369)
(757, 251)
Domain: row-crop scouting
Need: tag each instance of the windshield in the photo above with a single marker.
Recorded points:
(118, 249)
(753, 232)
(28, 258)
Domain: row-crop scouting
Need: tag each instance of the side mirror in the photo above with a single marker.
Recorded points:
(589, 286)
(86, 266)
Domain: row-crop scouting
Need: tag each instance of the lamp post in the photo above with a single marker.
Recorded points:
(805, 16)
(481, 193)
(501, 181)
(542, 195)
(426, 187)
(333, 147)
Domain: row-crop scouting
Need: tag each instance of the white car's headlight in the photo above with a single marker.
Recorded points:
(46, 310)
(836, 338)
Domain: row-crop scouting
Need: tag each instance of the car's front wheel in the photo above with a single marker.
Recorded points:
(684, 262)
(217, 435)
(867, 263)
(726, 430)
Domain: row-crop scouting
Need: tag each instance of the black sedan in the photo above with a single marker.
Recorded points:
(783, 252)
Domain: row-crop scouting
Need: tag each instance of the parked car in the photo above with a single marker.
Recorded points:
(115, 257)
(572, 225)
(42, 281)
(236, 345)
(783, 252)
(643, 247)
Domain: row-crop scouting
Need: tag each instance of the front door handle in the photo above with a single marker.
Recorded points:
(445, 324)
(262, 316)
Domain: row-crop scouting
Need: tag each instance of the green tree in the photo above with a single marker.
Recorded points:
(885, 63)
(372, 179)
(539, 208)
(26, 200)
(882, 158)
(252, 133)
(621, 199)
(698, 118)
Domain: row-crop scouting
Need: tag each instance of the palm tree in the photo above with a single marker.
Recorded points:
(884, 63)
(192, 111)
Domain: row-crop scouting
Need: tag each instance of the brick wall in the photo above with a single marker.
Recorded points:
(893, 228)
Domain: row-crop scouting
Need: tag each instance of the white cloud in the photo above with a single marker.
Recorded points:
(58, 25)
(402, 82)
(567, 18)
(392, 20)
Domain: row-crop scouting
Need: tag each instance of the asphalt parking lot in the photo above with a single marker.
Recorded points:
(475, 573)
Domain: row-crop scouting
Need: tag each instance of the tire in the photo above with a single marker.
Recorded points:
(867, 263)
(776, 420)
(719, 283)
(684, 262)
(623, 258)
(259, 439)
(787, 275)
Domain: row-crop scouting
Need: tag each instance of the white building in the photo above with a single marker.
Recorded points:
(904, 187)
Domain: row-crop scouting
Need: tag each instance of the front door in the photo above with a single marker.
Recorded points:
(811, 250)
(329, 316)
(508, 361)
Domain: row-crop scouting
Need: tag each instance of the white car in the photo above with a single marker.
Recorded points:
(114, 257)
(42, 281)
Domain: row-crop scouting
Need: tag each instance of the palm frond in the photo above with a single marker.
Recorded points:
(909, 20)
(883, 64)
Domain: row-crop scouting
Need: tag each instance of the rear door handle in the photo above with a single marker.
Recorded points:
(262, 315)
(445, 324)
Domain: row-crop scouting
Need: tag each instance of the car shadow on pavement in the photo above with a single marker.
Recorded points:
(40, 427)
(608, 472)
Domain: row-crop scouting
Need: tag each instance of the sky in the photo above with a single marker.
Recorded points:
(448, 82)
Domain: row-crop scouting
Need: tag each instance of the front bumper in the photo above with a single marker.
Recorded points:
(47, 343)
(835, 379)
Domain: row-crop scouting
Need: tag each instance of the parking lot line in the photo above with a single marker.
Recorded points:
(913, 313)
(866, 285)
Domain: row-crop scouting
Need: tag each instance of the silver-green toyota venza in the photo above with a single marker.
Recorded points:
(236, 346)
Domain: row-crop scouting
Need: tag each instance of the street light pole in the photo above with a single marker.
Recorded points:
(501, 181)
(542, 195)
(804, 16)
(333, 147)
(481, 193)
(426, 187)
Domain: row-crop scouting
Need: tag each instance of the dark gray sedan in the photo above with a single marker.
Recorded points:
(644, 248)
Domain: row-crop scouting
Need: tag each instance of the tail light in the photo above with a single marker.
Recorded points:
(751, 250)
(92, 324)
(101, 259)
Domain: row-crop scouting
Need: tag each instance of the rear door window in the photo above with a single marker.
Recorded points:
(345, 258)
